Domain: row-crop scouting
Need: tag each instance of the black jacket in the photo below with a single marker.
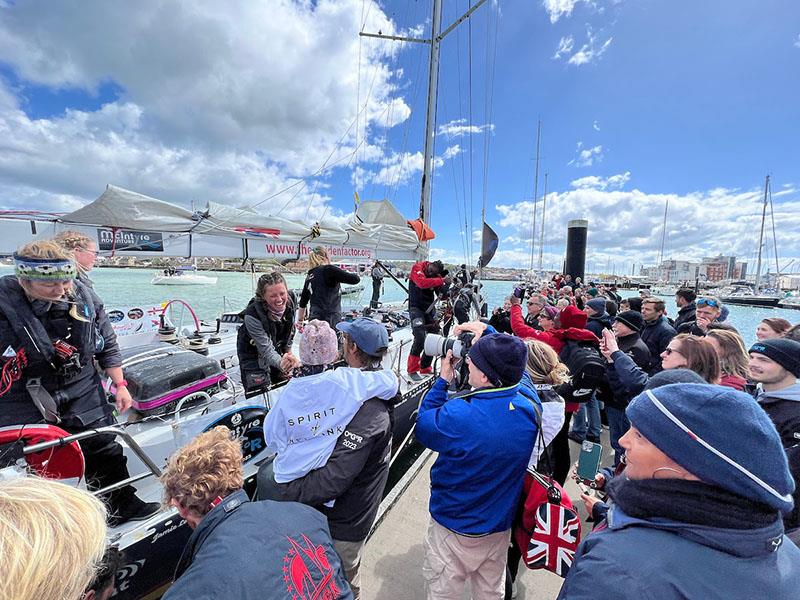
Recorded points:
(251, 347)
(657, 335)
(685, 315)
(627, 378)
(598, 323)
(78, 393)
(323, 288)
(355, 474)
(259, 551)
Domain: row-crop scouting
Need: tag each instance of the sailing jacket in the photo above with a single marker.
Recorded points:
(354, 475)
(484, 439)
(421, 287)
(32, 326)
(313, 411)
(783, 407)
(259, 551)
(262, 341)
(323, 288)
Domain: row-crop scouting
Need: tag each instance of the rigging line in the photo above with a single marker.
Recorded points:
(489, 102)
(535, 187)
(455, 182)
(461, 161)
(471, 168)
(358, 90)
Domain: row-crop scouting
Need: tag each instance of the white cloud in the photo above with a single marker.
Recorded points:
(615, 182)
(797, 41)
(596, 126)
(223, 102)
(400, 167)
(459, 127)
(565, 45)
(559, 8)
(586, 157)
(626, 225)
(590, 51)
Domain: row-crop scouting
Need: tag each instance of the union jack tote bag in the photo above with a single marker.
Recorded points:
(548, 528)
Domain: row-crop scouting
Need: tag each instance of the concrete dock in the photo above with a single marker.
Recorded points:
(392, 562)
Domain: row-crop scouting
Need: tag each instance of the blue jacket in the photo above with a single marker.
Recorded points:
(638, 559)
(626, 378)
(260, 551)
(597, 324)
(484, 440)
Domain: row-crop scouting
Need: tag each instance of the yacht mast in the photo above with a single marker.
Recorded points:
(535, 190)
(761, 237)
(544, 215)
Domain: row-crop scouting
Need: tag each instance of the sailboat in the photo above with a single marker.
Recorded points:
(743, 293)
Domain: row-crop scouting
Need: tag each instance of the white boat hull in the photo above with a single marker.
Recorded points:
(183, 280)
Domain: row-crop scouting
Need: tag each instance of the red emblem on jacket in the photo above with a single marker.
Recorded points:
(307, 572)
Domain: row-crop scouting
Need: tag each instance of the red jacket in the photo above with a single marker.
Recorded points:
(420, 286)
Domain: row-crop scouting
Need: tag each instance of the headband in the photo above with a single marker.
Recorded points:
(44, 269)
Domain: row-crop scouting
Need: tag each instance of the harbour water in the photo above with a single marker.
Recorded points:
(121, 287)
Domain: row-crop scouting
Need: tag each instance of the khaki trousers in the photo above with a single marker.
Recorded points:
(350, 555)
(451, 560)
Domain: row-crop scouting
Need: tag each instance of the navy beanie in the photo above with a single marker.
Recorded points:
(720, 435)
(783, 351)
(500, 357)
(598, 305)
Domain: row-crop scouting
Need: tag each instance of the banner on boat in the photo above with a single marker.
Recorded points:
(284, 250)
(129, 240)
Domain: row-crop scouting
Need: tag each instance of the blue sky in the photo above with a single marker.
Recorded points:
(641, 101)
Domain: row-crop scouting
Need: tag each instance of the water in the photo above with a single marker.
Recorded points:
(120, 287)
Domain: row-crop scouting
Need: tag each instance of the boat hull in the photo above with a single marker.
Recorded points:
(763, 301)
(183, 280)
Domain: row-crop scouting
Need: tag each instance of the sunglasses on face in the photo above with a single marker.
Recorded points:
(669, 351)
(707, 302)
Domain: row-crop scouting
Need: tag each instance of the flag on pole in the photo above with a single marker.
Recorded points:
(488, 246)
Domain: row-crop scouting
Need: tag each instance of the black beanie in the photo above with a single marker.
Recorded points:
(783, 351)
(631, 318)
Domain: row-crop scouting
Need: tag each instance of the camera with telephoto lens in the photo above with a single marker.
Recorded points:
(438, 345)
(519, 292)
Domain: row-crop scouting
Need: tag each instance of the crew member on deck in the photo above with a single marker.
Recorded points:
(423, 282)
(264, 342)
(323, 288)
(52, 328)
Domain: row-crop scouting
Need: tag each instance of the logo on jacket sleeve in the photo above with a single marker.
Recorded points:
(307, 573)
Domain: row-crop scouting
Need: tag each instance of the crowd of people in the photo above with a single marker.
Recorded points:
(702, 500)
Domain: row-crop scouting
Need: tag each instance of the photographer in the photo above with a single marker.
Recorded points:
(501, 317)
(477, 478)
(424, 282)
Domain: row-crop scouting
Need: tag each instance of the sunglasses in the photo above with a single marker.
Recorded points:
(707, 302)
(668, 351)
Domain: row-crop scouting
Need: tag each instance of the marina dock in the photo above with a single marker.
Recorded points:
(392, 562)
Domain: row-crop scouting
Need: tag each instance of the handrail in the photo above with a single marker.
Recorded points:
(111, 429)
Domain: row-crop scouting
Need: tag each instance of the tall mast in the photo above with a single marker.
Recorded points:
(430, 118)
(663, 238)
(544, 215)
(535, 188)
(761, 236)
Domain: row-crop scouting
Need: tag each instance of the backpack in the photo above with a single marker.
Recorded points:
(547, 528)
(587, 369)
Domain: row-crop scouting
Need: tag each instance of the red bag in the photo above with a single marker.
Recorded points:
(548, 531)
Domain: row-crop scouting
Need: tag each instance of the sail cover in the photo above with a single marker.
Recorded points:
(128, 223)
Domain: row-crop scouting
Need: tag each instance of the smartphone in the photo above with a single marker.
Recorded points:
(589, 460)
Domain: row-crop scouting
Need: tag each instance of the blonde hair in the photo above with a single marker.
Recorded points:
(72, 240)
(543, 364)
(318, 257)
(52, 539)
(208, 467)
(45, 249)
(733, 357)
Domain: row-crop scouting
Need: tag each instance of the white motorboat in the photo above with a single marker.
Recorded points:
(182, 276)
